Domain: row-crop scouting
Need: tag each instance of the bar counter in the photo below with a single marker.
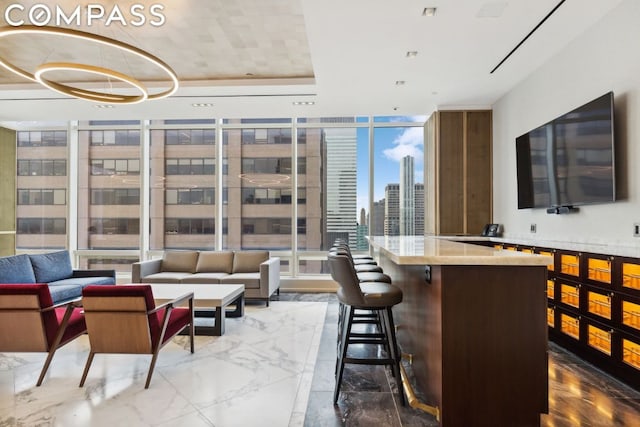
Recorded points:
(473, 320)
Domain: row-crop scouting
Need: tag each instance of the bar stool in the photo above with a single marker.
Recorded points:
(375, 275)
(375, 297)
(360, 268)
(358, 258)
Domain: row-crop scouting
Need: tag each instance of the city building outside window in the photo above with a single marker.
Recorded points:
(41, 212)
(290, 201)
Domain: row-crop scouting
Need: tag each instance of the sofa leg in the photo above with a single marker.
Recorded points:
(267, 302)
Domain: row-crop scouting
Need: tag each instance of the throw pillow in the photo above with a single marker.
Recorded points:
(180, 261)
(215, 262)
(52, 266)
(16, 269)
(249, 261)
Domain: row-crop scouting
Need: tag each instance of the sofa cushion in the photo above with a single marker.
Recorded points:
(215, 262)
(16, 269)
(179, 261)
(249, 280)
(60, 293)
(249, 261)
(205, 278)
(52, 266)
(84, 281)
(164, 277)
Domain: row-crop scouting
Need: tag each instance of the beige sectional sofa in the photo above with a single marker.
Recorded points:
(259, 273)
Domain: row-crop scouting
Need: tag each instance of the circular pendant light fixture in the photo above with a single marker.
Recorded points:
(89, 95)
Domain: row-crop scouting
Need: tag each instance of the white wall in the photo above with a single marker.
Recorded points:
(606, 57)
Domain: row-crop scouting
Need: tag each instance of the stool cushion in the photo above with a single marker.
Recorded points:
(373, 276)
(375, 294)
(362, 268)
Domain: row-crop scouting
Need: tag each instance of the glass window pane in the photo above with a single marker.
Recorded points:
(47, 167)
(109, 205)
(41, 209)
(59, 197)
(121, 167)
(209, 136)
(171, 197)
(171, 137)
(398, 183)
(182, 209)
(109, 137)
(60, 168)
(257, 192)
(23, 167)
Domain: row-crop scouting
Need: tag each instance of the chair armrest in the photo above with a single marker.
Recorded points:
(144, 268)
(76, 302)
(93, 273)
(173, 303)
(269, 277)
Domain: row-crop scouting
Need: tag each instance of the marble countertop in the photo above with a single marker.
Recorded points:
(605, 248)
(596, 247)
(419, 250)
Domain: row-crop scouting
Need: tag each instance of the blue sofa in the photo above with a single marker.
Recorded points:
(55, 269)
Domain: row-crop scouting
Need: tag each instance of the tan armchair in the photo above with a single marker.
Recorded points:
(29, 322)
(125, 319)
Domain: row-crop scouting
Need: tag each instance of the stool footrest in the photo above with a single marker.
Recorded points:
(360, 361)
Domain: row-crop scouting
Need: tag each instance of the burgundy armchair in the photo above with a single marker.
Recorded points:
(30, 322)
(125, 319)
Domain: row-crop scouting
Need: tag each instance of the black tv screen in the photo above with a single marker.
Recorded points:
(570, 160)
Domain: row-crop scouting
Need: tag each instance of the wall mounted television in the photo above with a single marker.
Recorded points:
(569, 161)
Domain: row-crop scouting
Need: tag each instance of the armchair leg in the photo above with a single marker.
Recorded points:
(46, 366)
(191, 335)
(153, 365)
(86, 368)
(192, 325)
(56, 342)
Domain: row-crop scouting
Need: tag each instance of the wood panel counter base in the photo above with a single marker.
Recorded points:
(478, 337)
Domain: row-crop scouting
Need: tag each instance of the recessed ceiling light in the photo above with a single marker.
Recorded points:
(201, 104)
(400, 82)
(103, 106)
(395, 108)
(412, 53)
(304, 103)
(429, 11)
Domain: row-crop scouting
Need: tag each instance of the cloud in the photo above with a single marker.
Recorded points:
(408, 143)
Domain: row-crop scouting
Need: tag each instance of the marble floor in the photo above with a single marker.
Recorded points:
(580, 395)
(257, 374)
(273, 367)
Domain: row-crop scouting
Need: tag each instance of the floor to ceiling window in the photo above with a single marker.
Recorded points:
(291, 186)
(182, 185)
(334, 186)
(108, 193)
(42, 193)
(259, 184)
(398, 186)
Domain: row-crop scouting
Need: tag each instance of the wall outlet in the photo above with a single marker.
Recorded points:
(533, 228)
(636, 229)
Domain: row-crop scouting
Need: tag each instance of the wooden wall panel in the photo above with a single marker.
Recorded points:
(478, 196)
(458, 172)
(451, 171)
(7, 191)
(430, 175)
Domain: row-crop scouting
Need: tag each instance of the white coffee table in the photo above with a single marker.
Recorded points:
(205, 296)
